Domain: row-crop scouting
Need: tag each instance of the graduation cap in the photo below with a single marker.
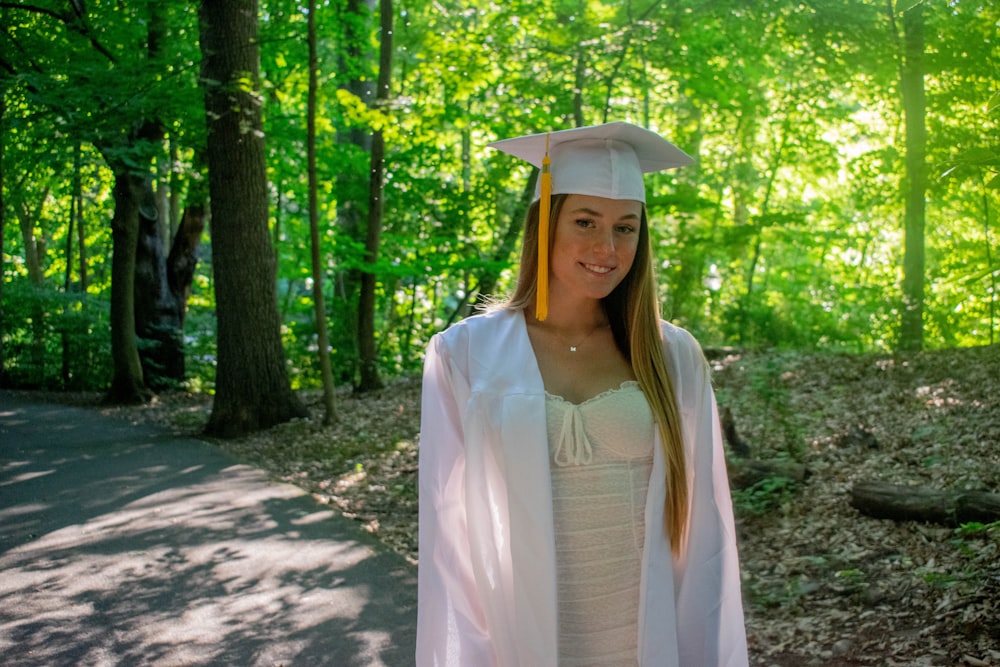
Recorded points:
(600, 160)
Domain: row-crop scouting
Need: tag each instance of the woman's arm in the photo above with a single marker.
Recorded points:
(711, 630)
(451, 630)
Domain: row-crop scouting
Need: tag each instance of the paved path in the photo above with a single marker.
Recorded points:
(122, 545)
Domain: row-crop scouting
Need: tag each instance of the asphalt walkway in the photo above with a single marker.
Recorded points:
(124, 545)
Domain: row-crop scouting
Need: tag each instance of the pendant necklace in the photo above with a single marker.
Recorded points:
(573, 348)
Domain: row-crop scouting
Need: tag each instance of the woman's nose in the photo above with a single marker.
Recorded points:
(605, 243)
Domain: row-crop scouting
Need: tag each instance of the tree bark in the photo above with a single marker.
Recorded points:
(81, 231)
(34, 256)
(74, 206)
(911, 329)
(907, 503)
(318, 274)
(3, 224)
(183, 258)
(127, 384)
(163, 284)
(161, 303)
(252, 387)
(352, 185)
(367, 347)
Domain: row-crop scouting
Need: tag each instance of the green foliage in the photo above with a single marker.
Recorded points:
(765, 496)
(977, 540)
(789, 592)
(792, 110)
(53, 340)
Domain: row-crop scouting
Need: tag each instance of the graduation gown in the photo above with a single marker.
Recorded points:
(487, 572)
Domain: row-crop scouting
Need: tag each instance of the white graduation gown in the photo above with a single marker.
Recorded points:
(487, 573)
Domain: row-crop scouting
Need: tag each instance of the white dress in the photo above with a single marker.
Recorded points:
(601, 458)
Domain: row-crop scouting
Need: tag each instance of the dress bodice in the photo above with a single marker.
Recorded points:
(601, 457)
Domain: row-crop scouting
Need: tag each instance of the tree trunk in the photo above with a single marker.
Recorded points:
(993, 273)
(352, 185)
(906, 503)
(81, 229)
(157, 311)
(579, 85)
(183, 258)
(174, 204)
(132, 195)
(74, 203)
(252, 390)
(367, 347)
(911, 329)
(34, 256)
(127, 385)
(163, 284)
(3, 225)
(34, 245)
(318, 274)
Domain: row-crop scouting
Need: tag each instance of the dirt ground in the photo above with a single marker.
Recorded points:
(824, 585)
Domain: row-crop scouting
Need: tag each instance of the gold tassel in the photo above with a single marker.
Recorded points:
(544, 204)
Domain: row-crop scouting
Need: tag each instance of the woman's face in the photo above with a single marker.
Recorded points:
(594, 245)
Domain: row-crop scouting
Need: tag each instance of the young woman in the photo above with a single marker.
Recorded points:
(574, 503)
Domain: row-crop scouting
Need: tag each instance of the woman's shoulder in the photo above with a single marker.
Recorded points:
(486, 323)
(678, 336)
(682, 347)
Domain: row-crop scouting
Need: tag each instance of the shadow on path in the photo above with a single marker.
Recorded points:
(121, 545)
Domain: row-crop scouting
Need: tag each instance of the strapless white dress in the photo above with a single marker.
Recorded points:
(602, 455)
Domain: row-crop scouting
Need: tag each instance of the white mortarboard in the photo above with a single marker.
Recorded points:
(600, 160)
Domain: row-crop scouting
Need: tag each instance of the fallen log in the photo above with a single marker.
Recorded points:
(737, 445)
(907, 503)
(744, 473)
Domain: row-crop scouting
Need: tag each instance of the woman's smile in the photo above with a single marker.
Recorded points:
(598, 269)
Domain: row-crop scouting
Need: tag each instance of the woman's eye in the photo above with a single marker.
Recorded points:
(626, 229)
(584, 222)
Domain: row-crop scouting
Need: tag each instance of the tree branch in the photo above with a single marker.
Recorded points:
(75, 22)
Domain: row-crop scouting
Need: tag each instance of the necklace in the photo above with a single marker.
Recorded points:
(572, 347)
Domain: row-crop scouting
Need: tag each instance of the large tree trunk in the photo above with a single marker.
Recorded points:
(127, 385)
(162, 286)
(911, 329)
(367, 347)
(131, 189)
(161, 304)
(252, 390)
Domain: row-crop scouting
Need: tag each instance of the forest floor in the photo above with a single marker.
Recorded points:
(824, 585)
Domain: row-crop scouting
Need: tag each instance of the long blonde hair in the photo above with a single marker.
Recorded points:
(634, 313)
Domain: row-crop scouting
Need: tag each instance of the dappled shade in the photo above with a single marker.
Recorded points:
(121, 546)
